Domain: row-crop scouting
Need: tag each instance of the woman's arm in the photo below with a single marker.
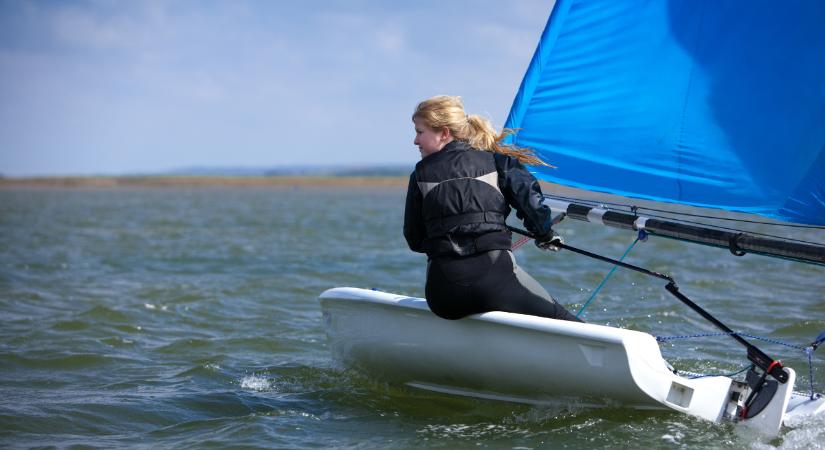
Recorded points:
(414, 230)
(523, 192)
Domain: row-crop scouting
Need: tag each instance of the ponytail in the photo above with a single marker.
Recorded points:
(445, 111)
(484, 137)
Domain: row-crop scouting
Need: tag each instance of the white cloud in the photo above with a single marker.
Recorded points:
(153, 85)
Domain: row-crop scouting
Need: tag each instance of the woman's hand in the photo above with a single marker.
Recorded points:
(550, 241)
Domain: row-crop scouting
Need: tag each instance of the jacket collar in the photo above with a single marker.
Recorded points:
(456, 145)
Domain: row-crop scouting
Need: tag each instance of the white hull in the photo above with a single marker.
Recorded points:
(527, 359)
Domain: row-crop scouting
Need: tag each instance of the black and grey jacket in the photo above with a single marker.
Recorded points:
(459, 198)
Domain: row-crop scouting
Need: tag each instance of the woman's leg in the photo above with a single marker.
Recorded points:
(450, 279)
(511, 289)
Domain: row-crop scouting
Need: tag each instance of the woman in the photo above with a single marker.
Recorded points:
(457, 202)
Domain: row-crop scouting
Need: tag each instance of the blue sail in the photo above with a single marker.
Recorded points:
(710, 103)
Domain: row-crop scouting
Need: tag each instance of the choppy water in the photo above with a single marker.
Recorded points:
(188, 318)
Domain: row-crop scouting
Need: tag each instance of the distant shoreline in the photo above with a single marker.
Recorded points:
(397, 184)
(196, 181)
(205, 181)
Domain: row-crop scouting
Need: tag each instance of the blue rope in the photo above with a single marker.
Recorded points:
(607, 277)
(810, 351)
(689, 336)
(819, 339)
(722, 375)
(807, 350)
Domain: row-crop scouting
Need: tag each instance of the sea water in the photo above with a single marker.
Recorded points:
(139, 317)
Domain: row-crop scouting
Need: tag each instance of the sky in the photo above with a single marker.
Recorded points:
(112, 87)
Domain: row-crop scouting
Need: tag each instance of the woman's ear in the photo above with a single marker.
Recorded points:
(445, 134)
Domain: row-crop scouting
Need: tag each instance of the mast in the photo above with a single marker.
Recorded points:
(737, 243)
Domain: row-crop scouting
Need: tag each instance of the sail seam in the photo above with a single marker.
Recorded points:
(687, 92)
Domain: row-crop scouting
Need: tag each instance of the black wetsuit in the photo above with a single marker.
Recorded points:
(457, 203)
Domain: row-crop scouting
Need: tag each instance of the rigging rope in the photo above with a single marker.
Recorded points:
(694, 375)
(808, 350)
(643, 236)
(521, 241)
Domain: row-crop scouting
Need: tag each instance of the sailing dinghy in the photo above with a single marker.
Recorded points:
(701, 103)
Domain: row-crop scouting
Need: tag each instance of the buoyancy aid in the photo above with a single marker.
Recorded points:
(459, 198)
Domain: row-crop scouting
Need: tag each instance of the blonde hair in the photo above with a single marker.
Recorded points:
(448, 111)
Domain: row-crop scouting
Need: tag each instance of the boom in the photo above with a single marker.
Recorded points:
(737, 243)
